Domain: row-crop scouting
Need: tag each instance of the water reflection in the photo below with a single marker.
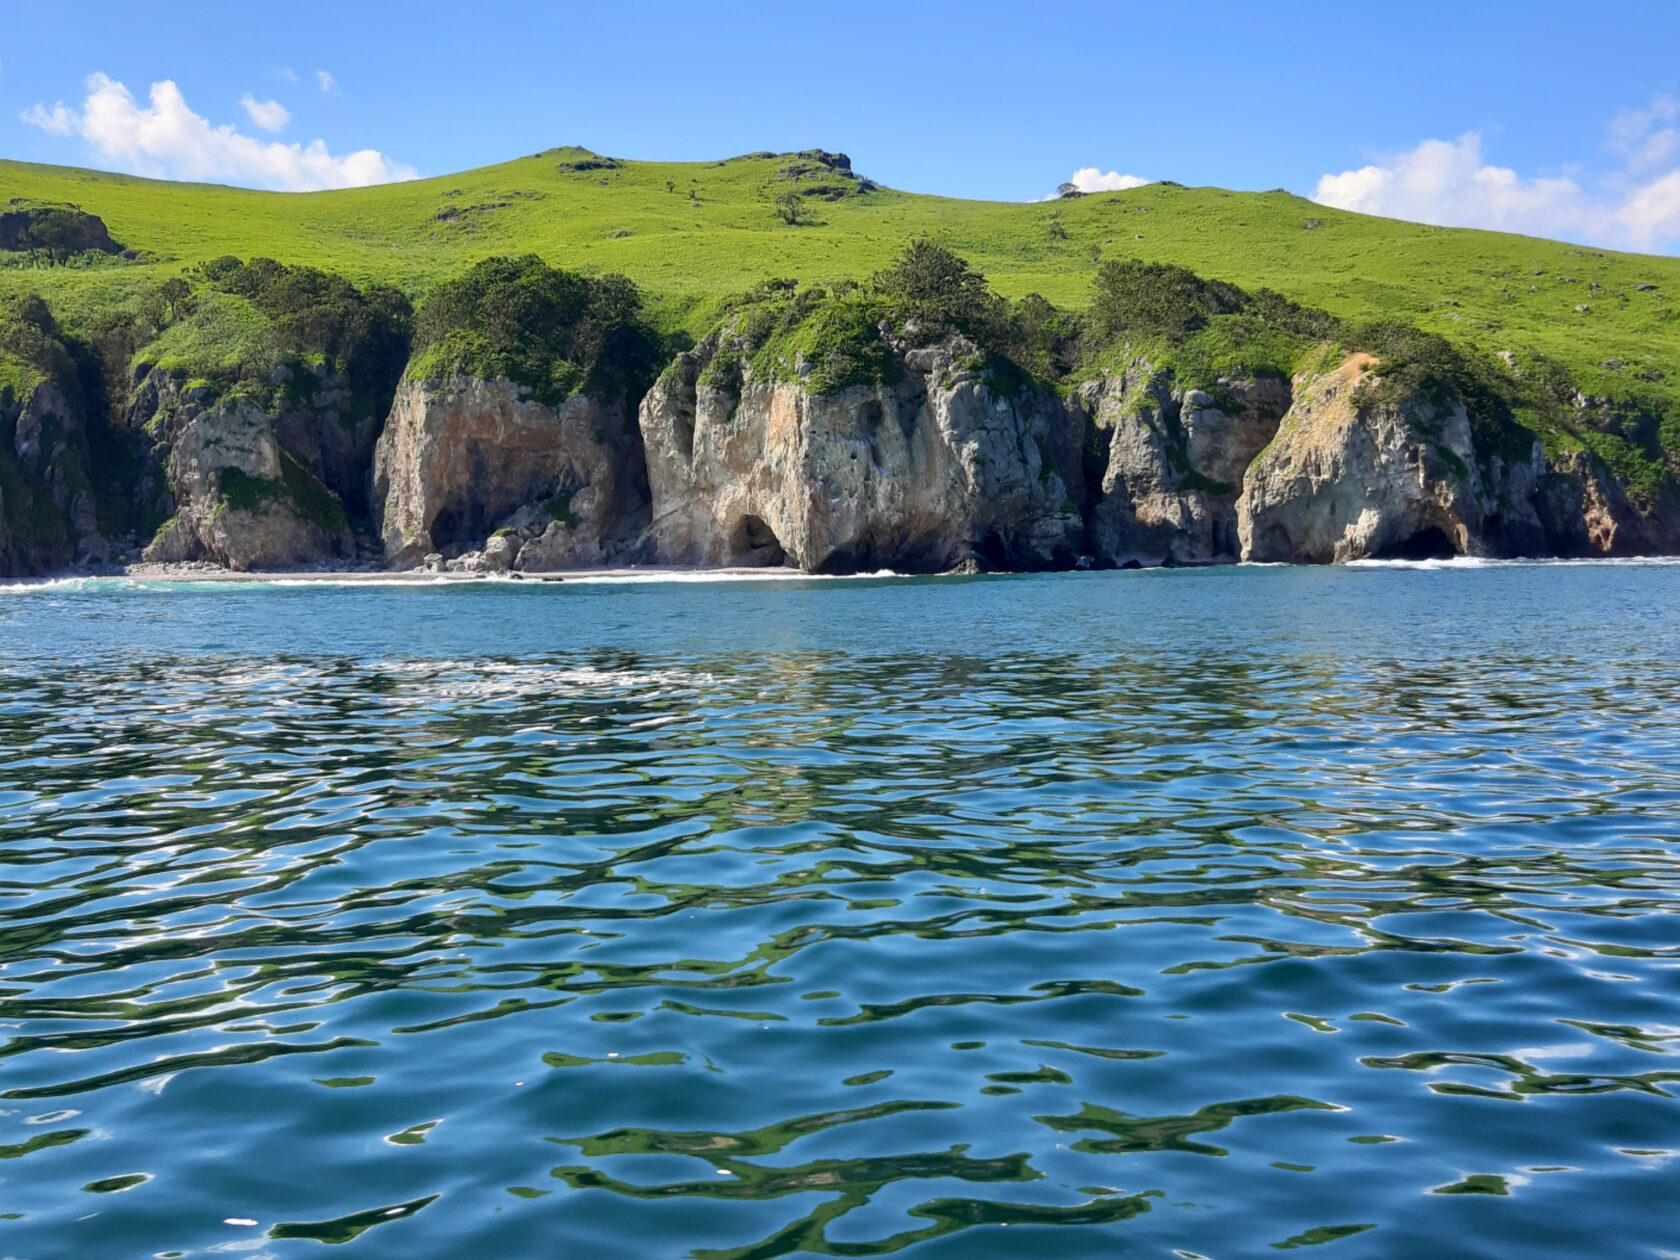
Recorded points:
(834, 950)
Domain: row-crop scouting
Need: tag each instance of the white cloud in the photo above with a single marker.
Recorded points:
(329, 85)
(1635, 134)
(56, 121)
(168, 141)
(286, 73)
(269, 115)
(1090, 179)
(1448, 182)
(1444, 182)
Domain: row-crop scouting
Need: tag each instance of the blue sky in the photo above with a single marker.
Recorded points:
(1559, 119)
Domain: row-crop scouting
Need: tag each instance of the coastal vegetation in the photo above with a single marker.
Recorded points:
(570, 273)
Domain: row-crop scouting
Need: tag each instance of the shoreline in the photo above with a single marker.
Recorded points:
(204, 574)
(210, 575)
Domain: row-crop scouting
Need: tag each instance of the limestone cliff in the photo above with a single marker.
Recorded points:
(461, 459)
(1351, 476)
(937, 468)
(238, 496)
(1174, 463)
(48, 516)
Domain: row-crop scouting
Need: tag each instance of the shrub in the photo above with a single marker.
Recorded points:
(790, 207)
(552, 330)
(364, 333)
(30, 345)
(929, 284)
(1142, 300)
(1043, 339)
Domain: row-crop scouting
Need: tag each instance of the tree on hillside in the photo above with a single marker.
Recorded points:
(1144, 299)
(792, 208)
(930, 284)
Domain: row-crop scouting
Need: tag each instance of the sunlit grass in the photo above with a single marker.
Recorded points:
(691, 234)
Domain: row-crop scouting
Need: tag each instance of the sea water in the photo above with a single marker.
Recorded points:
(1162, 913)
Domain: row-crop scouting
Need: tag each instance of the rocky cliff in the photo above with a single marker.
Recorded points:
(1174, 464)
(237, 494)
(275, 417)
(463, 460)
(48, 512)
(937, 468)
(1353, 476)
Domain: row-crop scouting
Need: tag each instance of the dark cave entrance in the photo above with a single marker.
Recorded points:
(1430, 543)
(754, 543)
(994, 552)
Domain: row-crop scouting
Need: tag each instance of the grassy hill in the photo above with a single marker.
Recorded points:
(691, 234)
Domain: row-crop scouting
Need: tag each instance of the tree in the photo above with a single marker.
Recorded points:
(174, 291)
(931, 285)
(1141, 299)
(792, 208)
(1069, 190)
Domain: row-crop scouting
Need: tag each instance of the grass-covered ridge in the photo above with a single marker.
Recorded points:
(691, 234)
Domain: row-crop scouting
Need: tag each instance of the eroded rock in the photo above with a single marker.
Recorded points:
(238, 497)
(1350, 477)
(461, 458)
(915, 476)
(1174, 464)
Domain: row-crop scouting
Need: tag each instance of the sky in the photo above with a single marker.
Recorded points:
(1554, 119)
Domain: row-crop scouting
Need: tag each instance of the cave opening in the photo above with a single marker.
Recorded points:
(754, 543)
(1429, 543)
(994, 552)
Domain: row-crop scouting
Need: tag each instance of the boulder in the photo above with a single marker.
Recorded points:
(941, 466)
(461, 458)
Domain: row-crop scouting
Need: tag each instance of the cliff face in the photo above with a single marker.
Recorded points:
(461, 459)
(1350, 478)
(933, 470)
(237, 495)
(48, 516)
(1174, 464)
(939, 468)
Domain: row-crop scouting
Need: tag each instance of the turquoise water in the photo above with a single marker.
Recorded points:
(1160, 913)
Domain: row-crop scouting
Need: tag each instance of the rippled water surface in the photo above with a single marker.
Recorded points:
(1194, 914)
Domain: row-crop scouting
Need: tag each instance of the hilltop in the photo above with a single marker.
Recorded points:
(574, 359)
(691, 234)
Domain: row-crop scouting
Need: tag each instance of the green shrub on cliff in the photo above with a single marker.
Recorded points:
(240, 322)
(1143, 300)
(830, 337)
(31, 350)
(555, 331)
(930, 286)
(362, 332)
(826, 339)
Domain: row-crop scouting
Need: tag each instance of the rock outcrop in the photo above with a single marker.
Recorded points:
(939, 468)
(1174, 464)
(238, 496)
(1586, 513)
(461, 459)
(1351, 477)
(48, 513)
(55, 230)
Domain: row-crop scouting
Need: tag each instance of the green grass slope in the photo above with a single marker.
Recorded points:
(690, 234)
